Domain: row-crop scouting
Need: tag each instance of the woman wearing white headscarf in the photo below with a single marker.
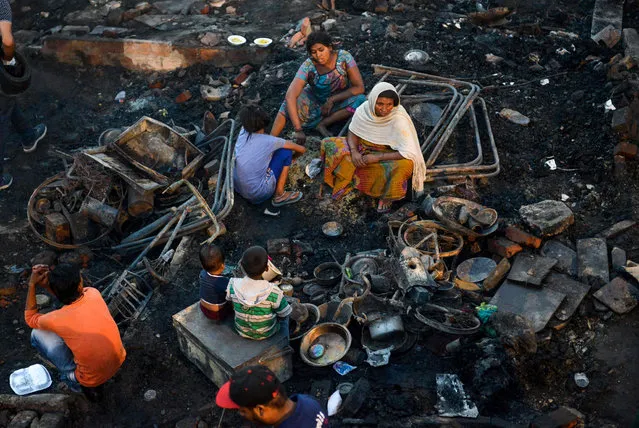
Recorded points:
(380, 154)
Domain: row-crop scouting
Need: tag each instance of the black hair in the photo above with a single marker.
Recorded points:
(253, 118)
(390, 94)
(254, 261)
(320, 37)
(211, 257)
(64, 280)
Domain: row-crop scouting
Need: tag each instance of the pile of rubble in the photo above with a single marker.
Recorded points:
(453, 269)
(146, 185)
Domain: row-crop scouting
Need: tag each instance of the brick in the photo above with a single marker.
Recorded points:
(147, 55)
(503, 247)
(520, 237)
(495, 278)
(563, 417)
(183, 97)
(627, 150)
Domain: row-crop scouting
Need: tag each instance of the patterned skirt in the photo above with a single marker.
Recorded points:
(387, 180)
(309, 107)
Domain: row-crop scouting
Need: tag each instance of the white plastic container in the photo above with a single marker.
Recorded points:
(31, 379)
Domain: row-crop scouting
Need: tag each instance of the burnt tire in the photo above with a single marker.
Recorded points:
(16, 79)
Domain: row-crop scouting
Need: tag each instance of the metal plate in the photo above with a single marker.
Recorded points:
(476, 269)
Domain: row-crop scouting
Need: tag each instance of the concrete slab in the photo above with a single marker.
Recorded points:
(607, 13)
(219, 351)
(147, 55)
(619, 295)
(575, 292)
(531, 269)
(592, 261)
(537, 305)
(566, 257)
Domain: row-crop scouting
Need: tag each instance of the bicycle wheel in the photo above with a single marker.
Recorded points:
(448, 320)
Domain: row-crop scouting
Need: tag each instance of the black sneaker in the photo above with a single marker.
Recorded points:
(5, 181)
(39, 132)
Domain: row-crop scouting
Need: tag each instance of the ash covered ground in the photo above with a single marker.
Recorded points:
(569, 122)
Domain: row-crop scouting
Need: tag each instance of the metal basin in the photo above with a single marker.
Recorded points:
(328, 274)
(335, 338)
(328, 313)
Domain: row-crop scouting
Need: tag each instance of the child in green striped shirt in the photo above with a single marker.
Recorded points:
(257, 303)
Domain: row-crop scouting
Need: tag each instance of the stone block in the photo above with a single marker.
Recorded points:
(280, 246)
(574, 291)
(531, 269)
(218, 351)
(547, 218)
(631, 43)
(618, 258)
(616, 229)
(566, 257)
(517, 235)
(619, 121)
(537, 305)
(592, 261)
(503, 247)
(619, 295)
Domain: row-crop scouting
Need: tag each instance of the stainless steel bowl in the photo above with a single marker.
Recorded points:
(335, 338)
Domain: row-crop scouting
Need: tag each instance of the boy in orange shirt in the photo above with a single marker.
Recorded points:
(81, 339)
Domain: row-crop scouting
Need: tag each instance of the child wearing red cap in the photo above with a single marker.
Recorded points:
(259, 397)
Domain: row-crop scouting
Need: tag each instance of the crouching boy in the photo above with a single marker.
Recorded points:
(81, 338)
(212, 284)
(257, 303)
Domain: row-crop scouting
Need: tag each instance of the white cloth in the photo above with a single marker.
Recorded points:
(395, 130)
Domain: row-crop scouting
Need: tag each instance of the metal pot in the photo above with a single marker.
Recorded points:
(385, 327)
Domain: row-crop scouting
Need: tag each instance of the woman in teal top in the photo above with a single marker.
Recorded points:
(327, 88)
